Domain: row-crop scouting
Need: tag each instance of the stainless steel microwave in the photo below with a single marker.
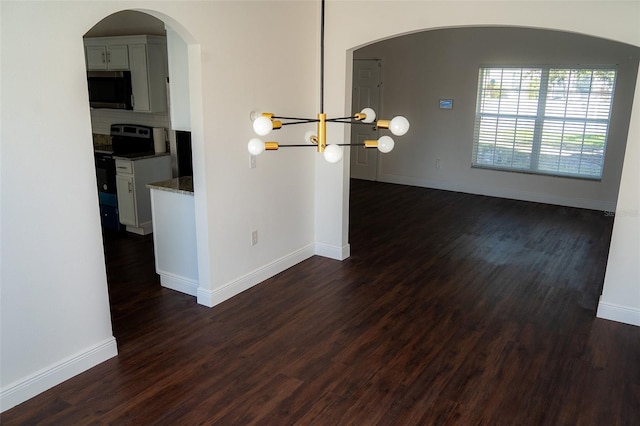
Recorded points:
(110, 89)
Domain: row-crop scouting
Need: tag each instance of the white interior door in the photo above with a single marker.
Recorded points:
(366, 93)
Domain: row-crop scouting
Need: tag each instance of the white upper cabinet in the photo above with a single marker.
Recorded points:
(139, 78)
(115, 57)
(149, 72)
(144, 56)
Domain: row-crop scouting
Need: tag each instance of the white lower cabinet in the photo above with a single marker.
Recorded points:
(174, 240)
(134, 201)
(126, 200)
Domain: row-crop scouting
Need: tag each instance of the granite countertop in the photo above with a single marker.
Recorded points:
(181, 185)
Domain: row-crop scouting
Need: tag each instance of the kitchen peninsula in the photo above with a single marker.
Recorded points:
(174, 234)
(133, 173)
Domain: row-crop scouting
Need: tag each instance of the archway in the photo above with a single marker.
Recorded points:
(423, 67)
(184, 112)
(589, 49)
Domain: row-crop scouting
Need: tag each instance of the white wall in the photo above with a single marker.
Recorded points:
(241, 72)
(380, 20)
(421, 68)
(620, 300)
(54, 308)
(179, 108)
(55, 312)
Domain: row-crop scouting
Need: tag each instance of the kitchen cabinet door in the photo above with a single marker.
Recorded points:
(118, 57)
(126, 200)
(114, 58)
(148, 65)
(139, 77)
(96, 58)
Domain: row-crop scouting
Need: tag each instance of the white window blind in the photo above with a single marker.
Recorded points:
(543, 119)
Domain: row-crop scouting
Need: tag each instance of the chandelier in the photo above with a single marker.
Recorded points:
(265, 122)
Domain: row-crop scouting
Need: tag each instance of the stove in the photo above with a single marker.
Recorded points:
(130, 139)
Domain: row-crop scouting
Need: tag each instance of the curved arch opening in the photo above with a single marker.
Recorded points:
(445, 62)
(181, 116)
(421, 68)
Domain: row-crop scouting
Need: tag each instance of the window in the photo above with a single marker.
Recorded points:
(543, 120)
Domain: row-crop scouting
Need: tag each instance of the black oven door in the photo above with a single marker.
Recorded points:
(106, 173)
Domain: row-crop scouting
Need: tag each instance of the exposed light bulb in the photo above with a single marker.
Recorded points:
(308, 136)
(333, 153)
(255, 114)
(370, 115)
(262, 125)
(255, 146)
(385, 144)
(399, 125)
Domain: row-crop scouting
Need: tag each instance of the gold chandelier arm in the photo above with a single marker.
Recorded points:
(276, 123)
(346, 120)
(297, 120)
(383, 124)
(272, 146)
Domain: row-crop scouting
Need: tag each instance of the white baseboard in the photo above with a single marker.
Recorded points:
(522, 195)
(177, 283)
(619, 313)
(144, 229)
(30, 386)
(211, 298)
(333, 252)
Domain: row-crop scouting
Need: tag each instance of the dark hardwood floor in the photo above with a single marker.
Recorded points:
(452, 309)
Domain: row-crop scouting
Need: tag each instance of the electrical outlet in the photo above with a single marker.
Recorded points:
(438, 163)
(252, 161)
(254, 237)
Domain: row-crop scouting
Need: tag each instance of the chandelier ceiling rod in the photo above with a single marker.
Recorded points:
(322, 58)
(265, 122)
